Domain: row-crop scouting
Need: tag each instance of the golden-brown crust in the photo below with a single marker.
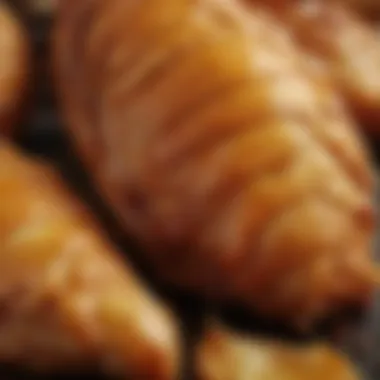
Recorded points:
(224, 354)
(66, 298)
(15, 68)
(232, 163)
(347, 46)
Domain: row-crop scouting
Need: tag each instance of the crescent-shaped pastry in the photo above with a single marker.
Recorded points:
(232, 163)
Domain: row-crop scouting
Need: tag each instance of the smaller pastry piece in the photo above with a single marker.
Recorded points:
(66, 300)
(345, 45)
(14, 68)
(225, 355)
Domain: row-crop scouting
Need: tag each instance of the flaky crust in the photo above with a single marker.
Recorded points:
(225, 355)
(235, 167)
(14, 68)
(346, 46)
(66, 299)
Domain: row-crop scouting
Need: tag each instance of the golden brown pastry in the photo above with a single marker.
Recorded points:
(14, 68)
(346, 45)
(236, 169)
(226, 355)
(66, 299)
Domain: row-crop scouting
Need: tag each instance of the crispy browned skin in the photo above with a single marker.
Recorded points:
(347, 46)
(225, 355)
(14, 68)
(66, 299)
(237, 169)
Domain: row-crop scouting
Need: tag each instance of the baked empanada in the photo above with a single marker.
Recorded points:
(66, 299)
(14, 68)
(236, 168)
(225, 355)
